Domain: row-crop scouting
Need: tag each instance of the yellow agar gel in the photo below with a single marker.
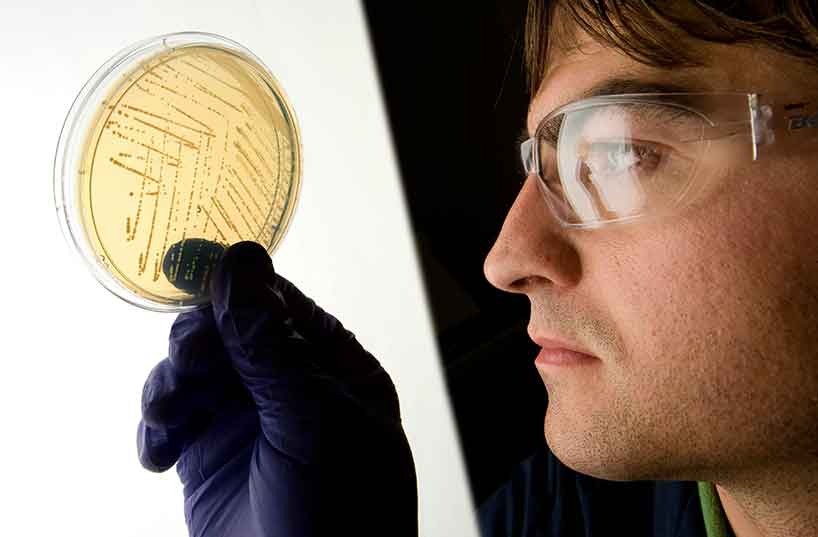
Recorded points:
(196, 143)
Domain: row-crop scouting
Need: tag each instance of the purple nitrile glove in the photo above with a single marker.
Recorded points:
(278, 421)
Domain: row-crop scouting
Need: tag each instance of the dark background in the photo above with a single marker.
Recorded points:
(453, 82)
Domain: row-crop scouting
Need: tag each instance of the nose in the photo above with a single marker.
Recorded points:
(532, 249)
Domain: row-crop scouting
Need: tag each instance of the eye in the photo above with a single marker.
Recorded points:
(611, 159)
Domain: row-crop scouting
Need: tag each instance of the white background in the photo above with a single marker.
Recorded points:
(74, 357)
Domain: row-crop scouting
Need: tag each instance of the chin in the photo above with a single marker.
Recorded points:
(600, 469)
(599, 455)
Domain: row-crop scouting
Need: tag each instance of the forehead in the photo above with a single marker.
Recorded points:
(591, 68)
(596, 69)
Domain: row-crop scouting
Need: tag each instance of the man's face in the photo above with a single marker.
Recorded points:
(704, 324)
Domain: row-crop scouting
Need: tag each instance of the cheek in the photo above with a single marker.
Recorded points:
(680, 295)
(710, 307)
(679, 312)
(736, 271)
(670, 286)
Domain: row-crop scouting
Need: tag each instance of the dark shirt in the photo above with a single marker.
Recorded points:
(546, 498)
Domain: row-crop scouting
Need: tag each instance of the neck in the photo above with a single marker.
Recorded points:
(775, 502)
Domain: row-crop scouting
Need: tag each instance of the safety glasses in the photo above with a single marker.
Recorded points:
(617, 158)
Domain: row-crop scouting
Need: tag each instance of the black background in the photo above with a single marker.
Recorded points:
(453, 82)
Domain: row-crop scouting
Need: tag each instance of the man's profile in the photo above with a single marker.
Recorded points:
(666, 238)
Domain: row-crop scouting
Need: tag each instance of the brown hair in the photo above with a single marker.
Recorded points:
(658, 33)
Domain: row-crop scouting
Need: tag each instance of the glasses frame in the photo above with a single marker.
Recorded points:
(764, 122)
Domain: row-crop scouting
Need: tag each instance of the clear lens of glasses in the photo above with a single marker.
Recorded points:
(615, 159)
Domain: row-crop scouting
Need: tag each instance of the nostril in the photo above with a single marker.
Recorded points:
(520, 284)
(503, 270)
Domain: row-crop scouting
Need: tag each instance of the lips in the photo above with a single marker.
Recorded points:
(559, 352)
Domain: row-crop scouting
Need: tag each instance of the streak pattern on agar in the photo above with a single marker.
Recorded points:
(193, 145)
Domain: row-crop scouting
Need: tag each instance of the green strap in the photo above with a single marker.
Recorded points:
(715, 521)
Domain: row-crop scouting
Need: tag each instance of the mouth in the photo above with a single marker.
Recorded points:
(561, 353)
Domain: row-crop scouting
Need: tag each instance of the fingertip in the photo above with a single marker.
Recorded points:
(161, 382)
(155, 450)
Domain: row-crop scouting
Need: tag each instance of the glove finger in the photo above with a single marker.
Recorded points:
(159, 449)
(195, 345)
(259, 313)
(348, 359)
(175, 410)
(170, 400)
(250, 314)
(340, 354)
(194, 380)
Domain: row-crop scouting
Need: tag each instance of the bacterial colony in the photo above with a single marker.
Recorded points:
(195, 150)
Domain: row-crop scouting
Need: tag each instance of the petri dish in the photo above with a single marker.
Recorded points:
(177, 147)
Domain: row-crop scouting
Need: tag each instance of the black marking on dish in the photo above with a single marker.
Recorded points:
(189, 263)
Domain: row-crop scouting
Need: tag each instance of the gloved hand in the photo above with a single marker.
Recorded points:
(279, 422)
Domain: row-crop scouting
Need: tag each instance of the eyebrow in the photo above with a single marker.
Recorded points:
(615, 86)
(622, 85)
